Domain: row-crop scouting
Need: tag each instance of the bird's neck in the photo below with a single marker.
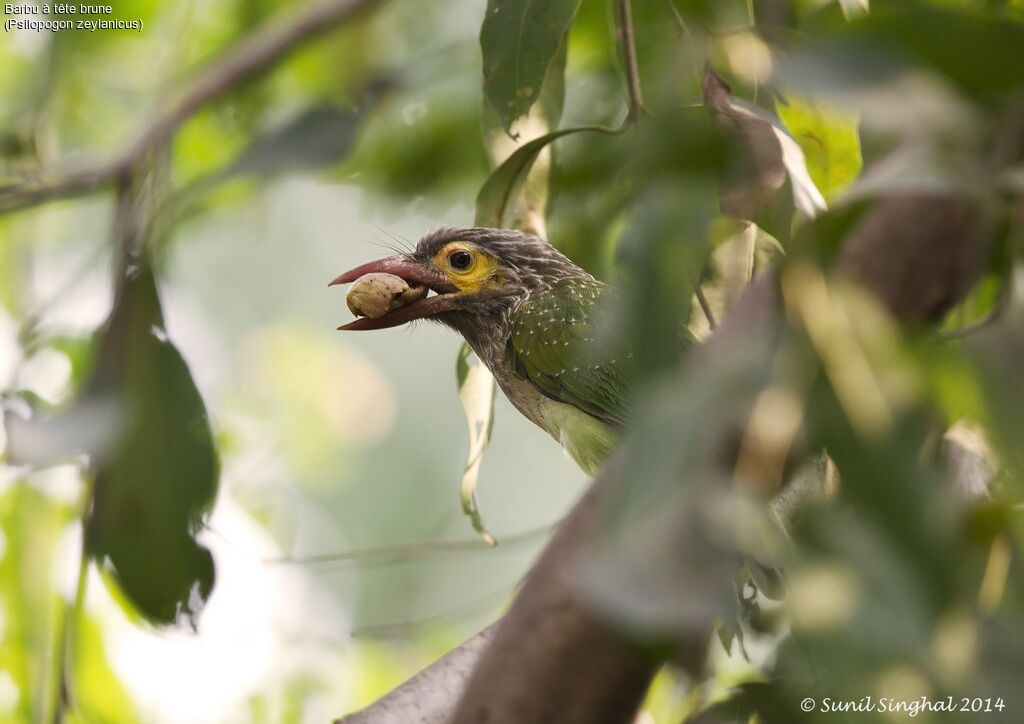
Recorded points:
(487, 338)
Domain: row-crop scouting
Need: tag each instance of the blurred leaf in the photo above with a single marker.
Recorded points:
(519, 40)
(476, 393)
(984, 62)
(897, 69)
(828, 138)
(10, 276)
(764, 157)
(855, 8)
(762, 702)
(31, 525)
(98, 695)
(423, 141)
(679, 531)
(317, 137)
(996, 353)
(153, 487)
(740, 252)
(769, 581)
(662, 248)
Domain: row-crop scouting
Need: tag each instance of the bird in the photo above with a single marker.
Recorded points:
(539, 322)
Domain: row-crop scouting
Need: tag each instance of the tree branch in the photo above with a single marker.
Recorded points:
(427, 697)
(241, 63)
(551, 658)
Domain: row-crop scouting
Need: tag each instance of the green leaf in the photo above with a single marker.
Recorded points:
(828, 138)
(519, 39)
(497, 197)
(476, 393)
(154, 485)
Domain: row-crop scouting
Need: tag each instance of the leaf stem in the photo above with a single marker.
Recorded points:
(397, 554)
(63, 691)
(627, 38)
(705, 305)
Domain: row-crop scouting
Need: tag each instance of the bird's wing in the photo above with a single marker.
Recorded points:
(556, 344)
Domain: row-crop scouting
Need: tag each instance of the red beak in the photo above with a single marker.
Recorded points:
(414, 273)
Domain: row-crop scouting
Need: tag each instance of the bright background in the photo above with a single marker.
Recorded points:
(330, 443)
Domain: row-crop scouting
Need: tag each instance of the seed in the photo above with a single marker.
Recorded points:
(374, 295)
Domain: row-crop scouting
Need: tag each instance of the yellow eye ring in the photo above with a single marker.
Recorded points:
(467, 267)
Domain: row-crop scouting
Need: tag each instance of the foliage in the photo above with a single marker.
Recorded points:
(767, 136)
(154, 484)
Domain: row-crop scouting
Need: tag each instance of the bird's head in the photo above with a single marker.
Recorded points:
(476, 276)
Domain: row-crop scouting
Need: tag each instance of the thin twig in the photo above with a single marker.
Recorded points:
(389, 555)
(75, 183)
(65, 653)
(241, 63)
(678, 21)
(632, 68)
(704, 305)
(405, 629)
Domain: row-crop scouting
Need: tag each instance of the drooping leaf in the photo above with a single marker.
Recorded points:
(476, 393)
(519, 39)
(154, 485)
(498, 195)
(764, 157)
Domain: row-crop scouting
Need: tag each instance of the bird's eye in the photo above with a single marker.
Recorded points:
(460, 260)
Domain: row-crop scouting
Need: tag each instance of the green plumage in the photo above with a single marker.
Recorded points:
(559, 344)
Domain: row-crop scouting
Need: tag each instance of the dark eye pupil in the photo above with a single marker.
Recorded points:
(460, 260)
